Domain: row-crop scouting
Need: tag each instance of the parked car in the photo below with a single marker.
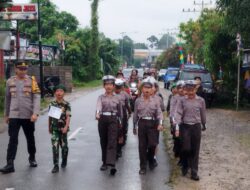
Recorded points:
(189, 72)
(170, 76)
(161, 74)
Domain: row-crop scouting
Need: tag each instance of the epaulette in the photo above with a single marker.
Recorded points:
(34, 86)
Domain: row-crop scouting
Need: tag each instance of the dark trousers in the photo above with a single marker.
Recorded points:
(190, 146)
(28, 129)
(148, 140)
(108, 132)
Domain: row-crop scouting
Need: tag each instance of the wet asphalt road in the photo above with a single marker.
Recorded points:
(82, 172)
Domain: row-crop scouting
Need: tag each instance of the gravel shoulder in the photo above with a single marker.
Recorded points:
(224, 154)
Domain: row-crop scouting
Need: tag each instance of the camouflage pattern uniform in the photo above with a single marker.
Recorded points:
(58, 138)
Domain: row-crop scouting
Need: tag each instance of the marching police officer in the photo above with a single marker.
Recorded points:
(22, 106)
(108, 114)
(126, 110)
(190, 115)
(148, 116)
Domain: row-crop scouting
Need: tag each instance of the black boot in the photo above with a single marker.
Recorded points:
(64, 163)
(33, 163)
(9, 168)
(55, 169)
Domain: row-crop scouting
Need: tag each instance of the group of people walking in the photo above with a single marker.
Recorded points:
(186, 112)
(113, 111)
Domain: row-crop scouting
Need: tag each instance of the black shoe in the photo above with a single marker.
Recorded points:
(9, 168)
(33, 163)
(184, 171)
(113, 171)
(195, 177)
(64, 163)
(103, 167)
(55, 169)
(119, 154)
(142, 171)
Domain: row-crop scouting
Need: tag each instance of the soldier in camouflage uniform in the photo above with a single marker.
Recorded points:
(22, 106)
(59, 128)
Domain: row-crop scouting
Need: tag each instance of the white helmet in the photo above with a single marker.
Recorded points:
(119, 82)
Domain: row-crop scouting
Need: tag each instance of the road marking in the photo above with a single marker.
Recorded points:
(75, 133)
(10, 188)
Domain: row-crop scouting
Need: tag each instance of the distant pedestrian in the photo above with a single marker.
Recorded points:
(22, 106)
(59, 127)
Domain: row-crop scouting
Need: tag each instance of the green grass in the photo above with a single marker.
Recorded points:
(91, 84)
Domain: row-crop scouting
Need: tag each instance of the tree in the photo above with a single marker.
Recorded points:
(127, 49)
(153, 42)
(109, 54)
(170, 57)
(94, 59)
(166, 41)
(237, 17)
(140, 46)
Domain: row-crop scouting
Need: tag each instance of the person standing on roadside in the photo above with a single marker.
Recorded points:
(108, 114)
(190, 116)
(22, 106)
(149, 118)
(59, 127)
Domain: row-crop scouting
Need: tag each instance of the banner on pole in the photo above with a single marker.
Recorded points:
(5, 37)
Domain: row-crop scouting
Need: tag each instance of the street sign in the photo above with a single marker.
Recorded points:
(19, 12)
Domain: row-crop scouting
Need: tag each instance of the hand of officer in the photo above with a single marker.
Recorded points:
(160, 128)
(177, 133)
(65, 130)
(33, 118)
(6, 119)
(97, 116)
(203, 127)
(134, 131)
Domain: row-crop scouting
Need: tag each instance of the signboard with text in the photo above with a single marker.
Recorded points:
(19, 12)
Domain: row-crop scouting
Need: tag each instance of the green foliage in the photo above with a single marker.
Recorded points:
(153, 41)
(166, 41)
(94, 59)
(126, 47)
(140, 46)
(94, 83)
(170, 57)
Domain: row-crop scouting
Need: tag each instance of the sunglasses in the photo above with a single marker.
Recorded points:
(22, 68)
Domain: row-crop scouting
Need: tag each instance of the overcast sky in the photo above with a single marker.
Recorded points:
(137, 18)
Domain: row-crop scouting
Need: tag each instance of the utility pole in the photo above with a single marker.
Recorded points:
(40, 49)
(169, 34)
(203, 5)
(122, 33)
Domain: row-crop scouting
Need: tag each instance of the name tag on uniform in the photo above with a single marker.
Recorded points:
(55, 112)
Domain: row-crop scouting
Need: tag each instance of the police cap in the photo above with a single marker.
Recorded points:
(21, 64)
(190, 84)
(148, 82)
(180, 83)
